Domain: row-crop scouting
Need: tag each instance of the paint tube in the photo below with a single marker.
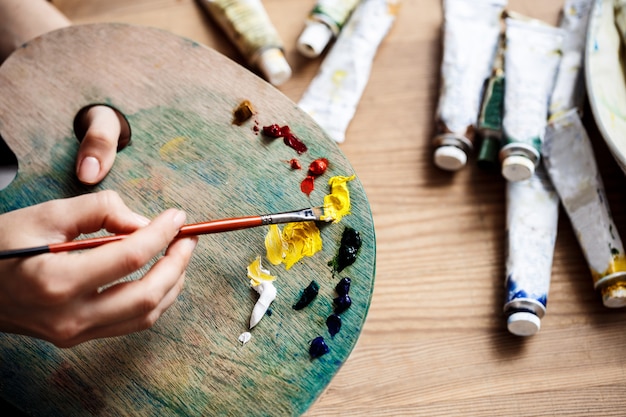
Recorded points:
(470, 39)
(267, 294)
(323, 24)
(570, 161)
(248, 26)
(489, 125)
(531, 62)
(569, 88)
(532, 219)
(334, 93)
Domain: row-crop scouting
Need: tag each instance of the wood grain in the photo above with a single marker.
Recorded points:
(435, 341)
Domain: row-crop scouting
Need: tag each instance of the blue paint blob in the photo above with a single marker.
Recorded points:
(343, 286)
(307, 296)
(333, 322)
(342, 303)
(318, 347)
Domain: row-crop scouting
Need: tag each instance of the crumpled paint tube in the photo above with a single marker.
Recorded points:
(333, 95)
(569, 88)
(489, 125)
(470, 38)
(569, 158)
(248, 26)
(323, 24)
(532, 217)
(531, 62)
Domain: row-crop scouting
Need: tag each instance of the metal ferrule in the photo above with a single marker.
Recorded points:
(520, 149)
(454, 139)
(610, 279)
(289, 217)
(525, 304)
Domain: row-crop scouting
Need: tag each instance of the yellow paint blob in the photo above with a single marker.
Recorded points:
(275, 245)
(296, 241)
(303, 239)
(257, 273)
(337, 203)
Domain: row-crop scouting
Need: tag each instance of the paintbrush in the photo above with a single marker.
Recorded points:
(195, 229)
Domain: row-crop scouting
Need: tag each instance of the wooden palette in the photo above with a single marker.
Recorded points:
(179, 98)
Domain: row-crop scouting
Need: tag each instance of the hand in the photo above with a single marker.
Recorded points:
(102, 132)
(60, 297)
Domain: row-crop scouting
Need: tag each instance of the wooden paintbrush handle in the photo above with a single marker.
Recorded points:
(215, 226)
(218, 226)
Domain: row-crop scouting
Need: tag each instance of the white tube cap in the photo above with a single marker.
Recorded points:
(450, 158)
(517, 168)
(274, 66)
(314, 39)
(523, 323)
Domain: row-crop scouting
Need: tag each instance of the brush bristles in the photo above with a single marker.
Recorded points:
(319, 214)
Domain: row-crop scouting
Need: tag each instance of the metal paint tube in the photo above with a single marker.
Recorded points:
(323, 24)
(532, 218)
(569, 88)
(531, 61)
(570, 161)
(489, 125)
(248, 26)
(333, 95)
(470, 39)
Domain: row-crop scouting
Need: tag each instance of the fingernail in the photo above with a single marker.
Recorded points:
(143, 221)
(192, 242)
(89, 169)
(179, 218)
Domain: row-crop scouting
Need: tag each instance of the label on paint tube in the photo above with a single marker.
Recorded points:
(531, 61)
(333, 95)
(248, 26)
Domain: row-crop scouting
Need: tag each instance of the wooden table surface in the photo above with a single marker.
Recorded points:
(435, 341)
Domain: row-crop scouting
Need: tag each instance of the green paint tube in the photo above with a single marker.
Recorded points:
(489, 123)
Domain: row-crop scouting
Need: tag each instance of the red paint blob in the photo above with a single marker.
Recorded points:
(318, 167)
(295, 164)
(273, 131)
(289, 138)
(308, 185)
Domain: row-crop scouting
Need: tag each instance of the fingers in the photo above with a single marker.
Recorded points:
(68, 218)
(101, 131)
(136, 305)
(103, 265)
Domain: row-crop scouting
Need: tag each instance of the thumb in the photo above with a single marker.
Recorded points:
(102, 131)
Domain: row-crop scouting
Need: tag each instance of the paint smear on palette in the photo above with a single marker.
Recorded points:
(296, 241)
(170, 149)
(289, 138)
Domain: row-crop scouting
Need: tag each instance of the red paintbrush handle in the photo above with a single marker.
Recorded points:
(218, 226)
(84, 243)
(215, 226)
